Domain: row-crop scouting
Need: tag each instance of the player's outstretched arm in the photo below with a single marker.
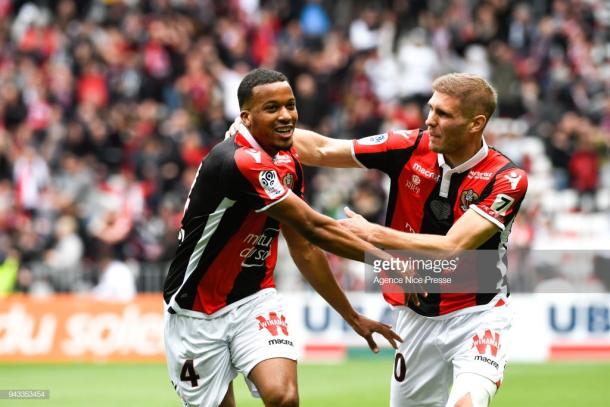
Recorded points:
(321, 230)
(469, 232)
(312, 263)
(320, 151)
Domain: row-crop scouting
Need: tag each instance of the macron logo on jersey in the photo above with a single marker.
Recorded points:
(273, 323)
(425, 172)
(514, 179)
(270, 182)
(488, 340)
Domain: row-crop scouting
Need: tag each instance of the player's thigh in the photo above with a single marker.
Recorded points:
(482, 347)
(420, 376)
(263, 335)
(276, 381)
(198, 360)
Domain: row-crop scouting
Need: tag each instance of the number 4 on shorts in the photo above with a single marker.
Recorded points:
(188, 373)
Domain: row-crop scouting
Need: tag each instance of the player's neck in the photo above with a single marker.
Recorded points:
(457, 158)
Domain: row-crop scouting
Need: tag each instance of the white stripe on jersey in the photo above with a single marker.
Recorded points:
(210, 228)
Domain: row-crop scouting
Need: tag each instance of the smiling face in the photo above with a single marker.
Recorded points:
(452, 132)
(271, 116)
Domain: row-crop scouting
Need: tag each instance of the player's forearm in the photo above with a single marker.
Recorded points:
(317, 150)
(387, 238)
(308, 145)
(330, 236)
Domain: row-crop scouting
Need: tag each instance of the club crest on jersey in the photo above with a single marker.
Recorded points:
(373, 140)
(288, 180)
(467, 198)
(270, 182)
(273, 323)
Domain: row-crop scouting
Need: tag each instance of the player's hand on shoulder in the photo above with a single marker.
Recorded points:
(365, 327)
(233, 128)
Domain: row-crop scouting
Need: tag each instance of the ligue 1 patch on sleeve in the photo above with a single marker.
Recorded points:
(373, 140)
(271, 183)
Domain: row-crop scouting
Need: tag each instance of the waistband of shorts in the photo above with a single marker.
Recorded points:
(174, 308)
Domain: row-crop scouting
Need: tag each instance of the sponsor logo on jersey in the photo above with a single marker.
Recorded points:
(373, 140)
(288, 180)
(259, 247)
(467, 198)
(514, 179)
(485, 176)
(273, 324)
(281, 158)
(270, 182)
(413, 183)
(489, 341)
(430, 174)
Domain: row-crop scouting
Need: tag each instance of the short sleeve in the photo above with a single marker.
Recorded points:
(263, 188)
(507, 193)
(387, 152)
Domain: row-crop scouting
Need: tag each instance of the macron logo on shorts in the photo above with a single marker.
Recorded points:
(273, 323)
(488, 339)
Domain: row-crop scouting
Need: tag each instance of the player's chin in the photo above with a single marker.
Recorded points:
(284, 144)
(435, 147)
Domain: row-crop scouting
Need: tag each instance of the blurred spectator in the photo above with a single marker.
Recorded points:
(63, 260)
(116, 280)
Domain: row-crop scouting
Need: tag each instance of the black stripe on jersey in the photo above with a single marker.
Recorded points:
(398, 159)
(230, 223)
(438, 211)
(249, 279)
(177, 268)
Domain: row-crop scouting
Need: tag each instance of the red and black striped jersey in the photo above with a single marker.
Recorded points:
(227, 246)
(428, 196)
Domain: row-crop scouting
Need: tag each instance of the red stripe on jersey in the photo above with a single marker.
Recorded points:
(218, 282)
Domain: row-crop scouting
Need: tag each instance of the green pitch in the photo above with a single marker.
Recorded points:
(357, 383)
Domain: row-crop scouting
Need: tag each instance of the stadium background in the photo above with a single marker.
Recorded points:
(107, 107)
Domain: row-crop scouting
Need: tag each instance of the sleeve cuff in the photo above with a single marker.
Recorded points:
(264, 208)
(490, 218)
(354, 155)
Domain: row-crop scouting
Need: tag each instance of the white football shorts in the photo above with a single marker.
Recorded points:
(435, 350)
(205, 354)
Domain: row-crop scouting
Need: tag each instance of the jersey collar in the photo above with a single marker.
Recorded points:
(465, 166)
(246, 138)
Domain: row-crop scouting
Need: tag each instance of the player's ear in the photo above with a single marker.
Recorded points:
(477, 124)
(245, 117)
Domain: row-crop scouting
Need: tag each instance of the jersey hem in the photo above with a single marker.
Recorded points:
(464, 311)
(224, 310)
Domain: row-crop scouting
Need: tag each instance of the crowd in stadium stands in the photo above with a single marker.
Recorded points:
(107, 108)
